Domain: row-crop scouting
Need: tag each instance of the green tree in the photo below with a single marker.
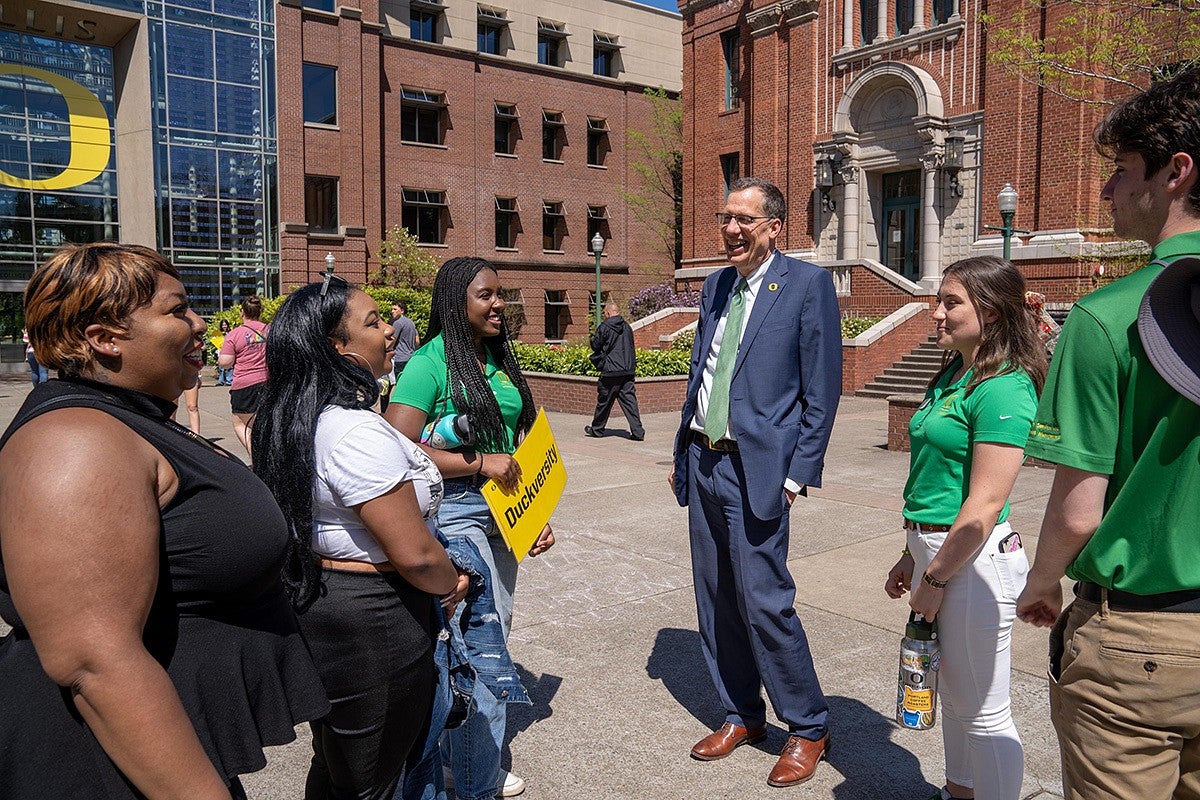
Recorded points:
(1095, 51)
(656, 158)
(402, 262)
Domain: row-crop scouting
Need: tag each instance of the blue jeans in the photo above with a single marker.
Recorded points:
(38, 372)
(474, 747)
(224, 376)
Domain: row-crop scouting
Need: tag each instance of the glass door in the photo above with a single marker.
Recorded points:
(901, 243)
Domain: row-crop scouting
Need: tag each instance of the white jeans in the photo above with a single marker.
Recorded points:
(983, 749)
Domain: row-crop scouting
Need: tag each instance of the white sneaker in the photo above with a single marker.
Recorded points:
(512, 786)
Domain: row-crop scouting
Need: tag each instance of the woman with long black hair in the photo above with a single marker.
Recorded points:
(363, 569)
(467, 366)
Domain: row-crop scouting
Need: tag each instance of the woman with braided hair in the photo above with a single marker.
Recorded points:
(467, 366)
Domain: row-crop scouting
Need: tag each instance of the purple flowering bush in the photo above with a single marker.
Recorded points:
(663, 295)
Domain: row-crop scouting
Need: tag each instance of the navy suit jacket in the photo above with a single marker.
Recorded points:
(786, 384)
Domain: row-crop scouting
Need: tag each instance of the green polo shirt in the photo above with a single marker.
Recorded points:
(423, 385)
(944, 430)
(1106, 410)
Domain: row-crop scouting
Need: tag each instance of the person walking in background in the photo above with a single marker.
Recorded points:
(245, 352)
(153, 650)
(407, 339)
(614, 355)
(1123, 509)
(363, 569)
(963, 563)
(224, 374)
(467, 366)
(37, 370)
(769, 334)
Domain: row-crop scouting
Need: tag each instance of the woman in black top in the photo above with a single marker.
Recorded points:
(153, 652)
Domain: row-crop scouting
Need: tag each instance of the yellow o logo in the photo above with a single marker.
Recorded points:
(89, 128)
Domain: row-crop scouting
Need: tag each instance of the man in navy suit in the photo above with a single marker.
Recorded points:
(765, 379)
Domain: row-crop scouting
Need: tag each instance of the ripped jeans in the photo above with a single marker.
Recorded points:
(475, 746)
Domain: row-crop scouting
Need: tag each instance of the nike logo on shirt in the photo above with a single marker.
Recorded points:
(1006, 416)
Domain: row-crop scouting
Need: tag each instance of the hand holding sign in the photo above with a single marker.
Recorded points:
(523, 512)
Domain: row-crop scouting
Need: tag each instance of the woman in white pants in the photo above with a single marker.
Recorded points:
(968, 441)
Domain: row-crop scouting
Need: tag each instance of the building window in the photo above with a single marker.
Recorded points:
(597, 141)
(597, 223)
(605, 52)
(554, 134)
(321, 204)
(730, 48)
(558, 314)
(506, 222)
(491, 26)
(730, 167)
(320, 94)
(514, 311)
(553, 223)
(551, 42)
(424, 214)
(422, 116)
(869, 13)
(905, 9)
(424, 21)
(942, 11)
(319, 5)
(506, 129)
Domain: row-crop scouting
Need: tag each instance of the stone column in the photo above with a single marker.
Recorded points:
(918, 15)
(848, 24)
(955, 13)
(849, 218)
(931, 239)
(881, 27)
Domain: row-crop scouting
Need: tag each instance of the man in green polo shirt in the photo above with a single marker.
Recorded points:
(1123, 518)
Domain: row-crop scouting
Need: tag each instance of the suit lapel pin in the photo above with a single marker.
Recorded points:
(772, 287)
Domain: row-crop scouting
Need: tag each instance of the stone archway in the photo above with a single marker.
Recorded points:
(891, 118)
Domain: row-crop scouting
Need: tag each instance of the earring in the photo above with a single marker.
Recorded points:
(115, 349)
(357, 360)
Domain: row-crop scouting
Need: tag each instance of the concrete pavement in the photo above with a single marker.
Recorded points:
(605, 630)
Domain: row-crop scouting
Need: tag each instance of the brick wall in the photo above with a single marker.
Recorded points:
(576, 394)
(647, 336)
(373, 165)
(860, 365)
(900, 411)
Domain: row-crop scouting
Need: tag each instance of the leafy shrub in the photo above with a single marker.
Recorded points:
(684, 341)
(853, 326)
(663, 295)
(572, 359)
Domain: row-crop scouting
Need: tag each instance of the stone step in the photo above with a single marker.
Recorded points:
(902, 370)
(899, 386)
(882, 394)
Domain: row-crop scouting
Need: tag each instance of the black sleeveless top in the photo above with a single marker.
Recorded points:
(219, 624)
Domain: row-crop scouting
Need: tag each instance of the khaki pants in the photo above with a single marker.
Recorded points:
(1126, 703)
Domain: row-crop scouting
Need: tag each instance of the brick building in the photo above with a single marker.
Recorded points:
(494, 129)
(891, 137)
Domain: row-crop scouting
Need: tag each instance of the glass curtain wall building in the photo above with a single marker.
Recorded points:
(211, 111)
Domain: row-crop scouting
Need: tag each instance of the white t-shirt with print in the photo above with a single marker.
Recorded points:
(358, 457)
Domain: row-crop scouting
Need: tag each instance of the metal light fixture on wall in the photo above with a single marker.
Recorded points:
(952, 161)
(823, 173)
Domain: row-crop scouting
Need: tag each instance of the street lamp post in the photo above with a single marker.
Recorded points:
(1007, 201)
(329, 263)
(597, 249)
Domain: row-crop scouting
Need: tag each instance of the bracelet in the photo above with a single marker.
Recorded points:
(906, 552)
(479, 469)
(934, 582)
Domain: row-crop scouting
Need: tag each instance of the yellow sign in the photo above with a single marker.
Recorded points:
(89, 131)
(523, 513)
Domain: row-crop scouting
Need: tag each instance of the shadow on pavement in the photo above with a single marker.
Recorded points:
(873, 766)
(677, 661)
(542, 689)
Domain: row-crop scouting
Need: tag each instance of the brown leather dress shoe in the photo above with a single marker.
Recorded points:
(725, 739)
(798, 761)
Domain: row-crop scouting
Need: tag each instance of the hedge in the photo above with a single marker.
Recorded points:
(572, 359)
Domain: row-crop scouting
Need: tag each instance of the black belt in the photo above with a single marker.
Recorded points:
(721, 445)
(1187, 601)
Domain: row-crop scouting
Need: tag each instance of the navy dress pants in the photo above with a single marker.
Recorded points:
(751, 635)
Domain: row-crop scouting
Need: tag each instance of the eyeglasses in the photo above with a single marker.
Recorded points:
(743, 220)
(329, 276)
